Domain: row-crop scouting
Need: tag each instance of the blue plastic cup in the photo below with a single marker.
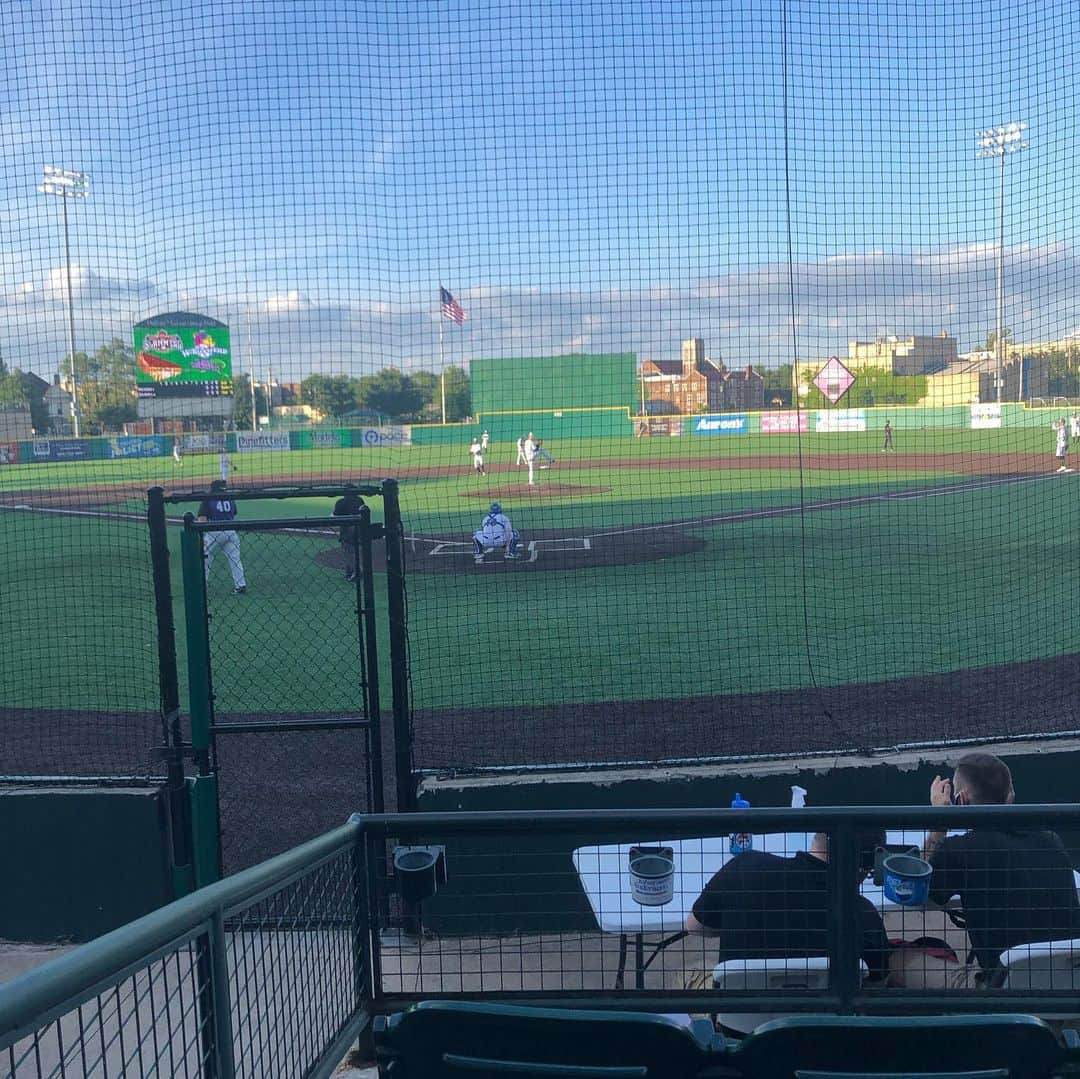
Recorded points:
(906, 879)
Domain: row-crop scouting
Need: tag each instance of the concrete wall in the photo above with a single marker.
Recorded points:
(518, 874)
(77, 862)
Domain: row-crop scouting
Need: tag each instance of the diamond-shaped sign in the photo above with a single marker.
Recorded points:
(834, 379)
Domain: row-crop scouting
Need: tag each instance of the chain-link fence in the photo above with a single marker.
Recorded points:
(295, 651)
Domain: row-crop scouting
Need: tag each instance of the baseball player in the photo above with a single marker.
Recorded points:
(477, 451)
(226, 464)
(543, 455)
(1074, 425)
(496, 531)
(1061, 446)
(888, 438)
(520, 451)
(528, 448)
(485, 441)
(177, 459)
(219, 507)
(349, 505)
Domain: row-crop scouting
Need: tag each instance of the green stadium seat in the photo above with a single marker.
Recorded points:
(920, 1047)
(469, 1040)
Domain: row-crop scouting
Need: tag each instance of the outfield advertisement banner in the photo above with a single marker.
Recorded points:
(9, 453)
(204, 443)
(62, 449)
(125, 446)
(985, 416)
(838, 420)
(722, 425)
(325, 440)
(259, 441)
(386, 436)
(164, 355)
(785, 423)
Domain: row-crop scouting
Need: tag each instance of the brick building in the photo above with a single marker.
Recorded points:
(697, 384)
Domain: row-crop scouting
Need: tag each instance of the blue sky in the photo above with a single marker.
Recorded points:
(587, 176)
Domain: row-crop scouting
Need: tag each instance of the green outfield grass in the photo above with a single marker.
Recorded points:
(854, 593)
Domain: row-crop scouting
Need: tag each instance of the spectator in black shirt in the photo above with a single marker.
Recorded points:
(761, 905)
(1015, 885)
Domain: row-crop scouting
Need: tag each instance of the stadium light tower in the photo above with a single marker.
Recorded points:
(68, 185)
(999, 142)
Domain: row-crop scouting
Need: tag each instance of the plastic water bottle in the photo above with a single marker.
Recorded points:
(740, 841)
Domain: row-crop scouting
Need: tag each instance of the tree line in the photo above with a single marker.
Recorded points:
(412, 396)
(107, 395)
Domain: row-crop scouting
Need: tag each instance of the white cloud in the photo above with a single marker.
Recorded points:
(744, 315)
(287, 302)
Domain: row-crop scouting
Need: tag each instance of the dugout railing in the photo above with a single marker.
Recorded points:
(276, 970)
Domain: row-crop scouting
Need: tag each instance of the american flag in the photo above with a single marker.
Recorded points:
(451, 308)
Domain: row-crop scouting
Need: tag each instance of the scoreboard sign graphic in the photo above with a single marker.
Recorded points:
(182, 361)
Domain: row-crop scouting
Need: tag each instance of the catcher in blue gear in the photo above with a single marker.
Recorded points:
(496, 531)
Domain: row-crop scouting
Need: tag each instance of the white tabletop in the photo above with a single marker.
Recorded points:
(605, 877)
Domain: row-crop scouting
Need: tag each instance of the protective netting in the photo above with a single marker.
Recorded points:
(828, 244)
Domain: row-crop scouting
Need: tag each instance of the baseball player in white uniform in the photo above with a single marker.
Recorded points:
(1074, 425)
(520, 451)
(477, 451)
(485, 441)
(226, 464)
(528, 447)
(1062, 446)
(495, 531)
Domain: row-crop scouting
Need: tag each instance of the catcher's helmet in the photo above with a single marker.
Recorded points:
(496, 508)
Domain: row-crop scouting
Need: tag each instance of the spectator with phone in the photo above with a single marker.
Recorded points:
(1015, 884)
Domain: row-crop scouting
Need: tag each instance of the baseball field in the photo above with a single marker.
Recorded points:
(676, 598)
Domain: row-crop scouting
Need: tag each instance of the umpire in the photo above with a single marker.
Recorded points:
(349, 505)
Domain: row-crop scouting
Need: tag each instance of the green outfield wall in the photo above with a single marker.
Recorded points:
(557, 424)
(547, 383)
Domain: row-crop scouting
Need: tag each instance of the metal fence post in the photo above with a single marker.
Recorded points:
(376, 796)
(200, 691)
(221, 1002)
(399, 647)
(177, 804)
(364, 927)
(844, 938)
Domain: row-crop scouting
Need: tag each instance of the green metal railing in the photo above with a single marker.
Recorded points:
(262, 974)
(276, 970)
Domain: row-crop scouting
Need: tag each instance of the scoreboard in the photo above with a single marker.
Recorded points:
(161, 390)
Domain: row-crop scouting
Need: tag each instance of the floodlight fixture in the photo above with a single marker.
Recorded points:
(65, 183)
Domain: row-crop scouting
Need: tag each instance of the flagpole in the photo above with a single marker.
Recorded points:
(442, 370)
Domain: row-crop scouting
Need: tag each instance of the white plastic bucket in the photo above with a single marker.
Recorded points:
(652, 876)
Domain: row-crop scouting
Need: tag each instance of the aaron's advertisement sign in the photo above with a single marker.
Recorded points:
(167, 355)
